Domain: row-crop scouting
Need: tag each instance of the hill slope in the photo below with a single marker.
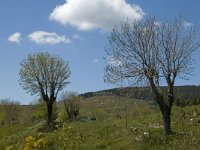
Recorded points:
(184, 95)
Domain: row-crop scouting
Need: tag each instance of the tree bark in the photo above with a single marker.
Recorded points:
(165, 107)
(50, 113)
(72, 117)
(166, 113)
(168, 107)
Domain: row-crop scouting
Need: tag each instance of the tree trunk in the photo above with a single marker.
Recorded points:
(166, 113)
(165, 107)
(50, 114)
(72, 116)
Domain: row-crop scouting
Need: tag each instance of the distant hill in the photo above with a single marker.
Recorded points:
(184, 95)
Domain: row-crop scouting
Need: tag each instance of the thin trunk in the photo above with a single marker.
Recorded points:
(72, 116)
(68, 113)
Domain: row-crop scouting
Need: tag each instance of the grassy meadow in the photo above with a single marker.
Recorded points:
(121, 124)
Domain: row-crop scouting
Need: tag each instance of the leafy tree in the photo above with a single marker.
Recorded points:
(151, 52)
(46, 75)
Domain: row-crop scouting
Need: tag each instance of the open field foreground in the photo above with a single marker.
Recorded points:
(121, 124)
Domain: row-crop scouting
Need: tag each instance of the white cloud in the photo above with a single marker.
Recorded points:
(103, 32)
(187, 24)
(95, 61)
(16, 37)
(51, 38)
(95, 14)
(111, 60)
(77, 37)
(158, 23)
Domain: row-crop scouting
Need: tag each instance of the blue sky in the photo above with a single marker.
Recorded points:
(77, 31)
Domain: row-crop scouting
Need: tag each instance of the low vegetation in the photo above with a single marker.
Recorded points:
(121, 123)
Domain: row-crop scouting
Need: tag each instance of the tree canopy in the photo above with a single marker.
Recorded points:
(147, 48)
(46, 75)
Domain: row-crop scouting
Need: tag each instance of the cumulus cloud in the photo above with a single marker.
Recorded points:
(95, 14)
(51, 38)
(16, 37)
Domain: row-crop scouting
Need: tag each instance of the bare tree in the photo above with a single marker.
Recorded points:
(71, 104)
(151, 52)
(46, 75)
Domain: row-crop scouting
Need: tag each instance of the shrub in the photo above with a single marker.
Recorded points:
(41, 141)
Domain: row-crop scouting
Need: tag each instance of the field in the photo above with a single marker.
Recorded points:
(121, 124)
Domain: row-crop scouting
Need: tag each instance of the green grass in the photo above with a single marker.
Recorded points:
(8, 130)
(12, 134)
(139, 127)
(113, 135)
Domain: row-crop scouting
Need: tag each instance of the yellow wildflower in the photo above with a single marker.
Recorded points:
(9, 148)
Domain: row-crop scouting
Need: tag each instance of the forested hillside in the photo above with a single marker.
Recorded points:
(184, 95)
